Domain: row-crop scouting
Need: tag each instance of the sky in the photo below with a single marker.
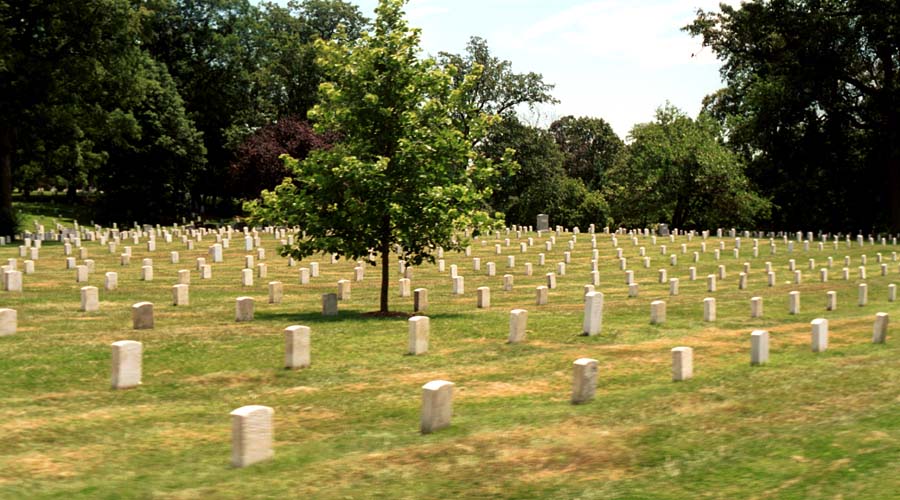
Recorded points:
(613, 59)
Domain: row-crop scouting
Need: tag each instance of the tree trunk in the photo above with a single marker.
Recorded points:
(385, 262)
(7, 148)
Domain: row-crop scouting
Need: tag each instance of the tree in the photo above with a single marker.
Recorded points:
(540, 185)
(498, 91)
(678, 170)
(64, 71)
(590, 147)
(401, 174)
(813, 103)
(258, 164)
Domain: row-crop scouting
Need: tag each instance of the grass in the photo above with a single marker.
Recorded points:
(803, 426)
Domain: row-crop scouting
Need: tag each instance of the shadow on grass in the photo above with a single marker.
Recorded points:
(343, 315)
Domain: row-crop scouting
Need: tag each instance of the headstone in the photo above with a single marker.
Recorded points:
(541, 295)
(90, 299)
(682, 363)
(437, 406)
(251, 433)
(584, 380)
(709, 309)
(142, 316)
(507, 282)
(863, 294)
(206, 272)
(8, 320)
(459, 287)
(146, 273)
(819, 335)
(329, 304)
(296, 347)
(892, 292)
(405, 287)
(13, 281)
(518, 319)
(711, 283)
(794, 302)
(111, 281)
(126, 364)
(243, 309)
(180, 295)
(673, 286)
(593, 313)
(756, 307)
(657, 312)
(419, 327)
(759, 347)
(420, 299)
(484, 297)
(880, 329)
(81, 274)
(830, 301)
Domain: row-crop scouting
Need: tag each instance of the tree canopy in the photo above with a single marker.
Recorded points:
(813, 103)
(400, 174)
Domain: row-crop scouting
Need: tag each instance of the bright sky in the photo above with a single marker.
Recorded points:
(614, 59)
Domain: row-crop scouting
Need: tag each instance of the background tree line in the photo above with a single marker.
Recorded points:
(168, 108)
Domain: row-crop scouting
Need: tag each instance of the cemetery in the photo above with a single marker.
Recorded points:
(596, 379)
(303, 249)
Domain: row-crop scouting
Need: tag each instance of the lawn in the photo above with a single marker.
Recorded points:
(805, 425)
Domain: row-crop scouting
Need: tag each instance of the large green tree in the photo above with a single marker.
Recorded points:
(813, 102)
(64, 71)
(590, 147)
(499, 90)
(401, 174)
(540, 185)
(678, 170)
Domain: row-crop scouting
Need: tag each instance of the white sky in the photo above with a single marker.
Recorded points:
(614, 59)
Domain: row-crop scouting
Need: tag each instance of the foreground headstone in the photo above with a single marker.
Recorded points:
(329, 304)
(296, 347)
(126, 364)
(584, 380)
(657, 312)
(419, 327)
(756, 307)
(420, 299)
(759, 347)
(142, 316)
(8, 319)
(181, 295)
(90, 299)
(518, 319)
(251, 435)
(437, 406)
(682, 363)
(709, 309)
(819, 335)
(794, 302)
(243, 309)
(593, 313)
(484, 297)
(880, 329)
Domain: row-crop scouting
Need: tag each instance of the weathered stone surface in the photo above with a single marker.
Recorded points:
(682, 363)
(297, 347)
(880, 329)
(819, 336)
(243, 309)
(251, 434)
(483, 297)
(90, 299)
(181, 295)
(142, 316)
(437, 406)
(126, 364)
(420, 299)
(329, 304)
(419, 328)
(8, 322)
(593, 313)
(518, 320)
(584, 380)
(759, 347)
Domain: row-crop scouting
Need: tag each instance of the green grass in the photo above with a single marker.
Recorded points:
(803, 426)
